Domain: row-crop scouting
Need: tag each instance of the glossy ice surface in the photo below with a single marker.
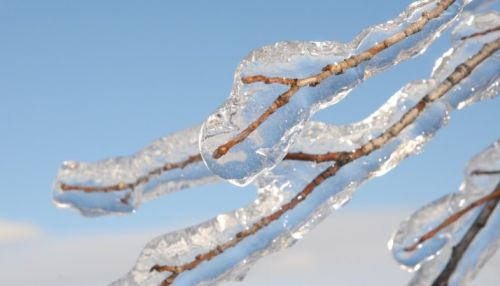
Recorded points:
(278, 185)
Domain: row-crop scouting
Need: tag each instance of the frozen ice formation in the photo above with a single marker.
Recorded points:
(269, 143)
(281, 185)
(119, 184)
(431, 256)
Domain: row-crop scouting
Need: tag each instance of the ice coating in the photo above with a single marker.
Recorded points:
(431, 257)
(280, 184)
(118, 185)
(119, 170)
(268, 144)
(182, 146)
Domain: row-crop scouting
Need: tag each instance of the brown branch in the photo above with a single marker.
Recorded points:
(318, 158)
(460, 72)
(482, 33)
(460, 249)
(453, 218)
(327, 71)
(299, 156)
(141, 180)
(485, 172)
(268, 80)
(279, 102)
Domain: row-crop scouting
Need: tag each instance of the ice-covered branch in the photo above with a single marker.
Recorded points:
(481, 33)
(327, 71)
(460, 72)
(461, 248)
(323, 165)
(452, 237)
(454, 217)
(139, 181)
(253, 130)
(293, 197)
(118, 185)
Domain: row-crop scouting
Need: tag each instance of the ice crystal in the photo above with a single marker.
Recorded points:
(287, 179)
(267, 145)
(431, 257)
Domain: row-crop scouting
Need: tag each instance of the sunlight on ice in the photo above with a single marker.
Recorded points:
(268, 144)
(278, 185)
(431, 256)
(122, 172)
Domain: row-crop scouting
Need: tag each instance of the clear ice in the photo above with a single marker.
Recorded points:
(278, 185)
(149, 163)
(431, 256)
(184, 144)
(269, 143)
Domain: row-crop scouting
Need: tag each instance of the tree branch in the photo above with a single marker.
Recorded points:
(141, 180)
(299, 156)
(327, 71)
(482, 33)
(460, 72)
(460, 249)
(453, 218)
(485, 172)
(268, 80)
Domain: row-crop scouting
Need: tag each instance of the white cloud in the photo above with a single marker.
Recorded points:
(16, 231)
(349, 248)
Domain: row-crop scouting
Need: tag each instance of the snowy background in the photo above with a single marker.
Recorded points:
(88, 80)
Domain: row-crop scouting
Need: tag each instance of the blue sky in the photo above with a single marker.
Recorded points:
(86, 80)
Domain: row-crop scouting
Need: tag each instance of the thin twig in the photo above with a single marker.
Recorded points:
(268, 80)
(460, 249)
(460, 72)
(299, 156)
(318, 158)
(327, 71)
(453, 218)
(485, 172)
(141, 180)
(482, 33)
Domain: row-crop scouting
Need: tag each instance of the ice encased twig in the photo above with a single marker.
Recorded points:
(127, 170)
(278, 185)
(267, 145)
(431, 256)
(148, 163)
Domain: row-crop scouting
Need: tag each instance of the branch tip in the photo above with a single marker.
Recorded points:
(461, 248)
(480, 172)
(454, 217)
(482, 33)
